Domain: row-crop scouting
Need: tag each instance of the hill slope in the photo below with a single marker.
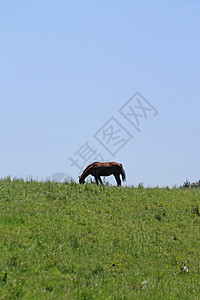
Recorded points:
(68, 241)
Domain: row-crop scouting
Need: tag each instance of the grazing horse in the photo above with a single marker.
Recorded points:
(98, 169)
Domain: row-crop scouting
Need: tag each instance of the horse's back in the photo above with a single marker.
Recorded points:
(105, 164)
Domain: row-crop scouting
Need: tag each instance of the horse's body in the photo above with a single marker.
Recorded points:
(98, 169)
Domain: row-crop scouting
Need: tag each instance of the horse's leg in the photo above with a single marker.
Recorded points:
(95, 176)
(117, 179)
(96, 180)
(100, 180)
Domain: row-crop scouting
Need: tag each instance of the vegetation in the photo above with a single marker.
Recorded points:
(70, 241)
(188, 184)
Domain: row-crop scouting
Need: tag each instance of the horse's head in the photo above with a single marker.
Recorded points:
(81, 180)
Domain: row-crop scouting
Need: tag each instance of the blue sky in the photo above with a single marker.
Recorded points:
(66, 68)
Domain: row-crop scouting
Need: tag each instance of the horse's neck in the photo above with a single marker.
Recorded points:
(85, 174)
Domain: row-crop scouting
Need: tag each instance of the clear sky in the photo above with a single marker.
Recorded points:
(67, 71)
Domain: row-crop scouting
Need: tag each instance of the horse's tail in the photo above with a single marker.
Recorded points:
(123, 173)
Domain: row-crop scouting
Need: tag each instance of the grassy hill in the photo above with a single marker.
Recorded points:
(70, 241)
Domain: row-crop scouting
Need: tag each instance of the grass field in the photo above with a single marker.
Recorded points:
(70, 241)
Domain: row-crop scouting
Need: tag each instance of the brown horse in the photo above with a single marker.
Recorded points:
(98, 169)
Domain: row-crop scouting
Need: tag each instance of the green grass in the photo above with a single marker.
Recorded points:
(70, 241)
